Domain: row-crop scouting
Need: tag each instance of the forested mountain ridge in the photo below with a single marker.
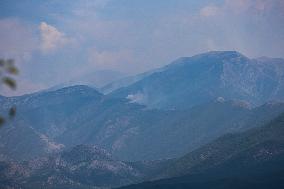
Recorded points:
(190, 81)
(75, 115)
(251, 159)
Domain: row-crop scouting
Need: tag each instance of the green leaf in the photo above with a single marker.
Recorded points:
(12, 70)
(12, 112)
(9, 82)
(2, 121)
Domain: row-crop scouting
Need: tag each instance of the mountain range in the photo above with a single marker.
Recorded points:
(251, 159)
(77, 115)
(207, 120)
(96, 79)
(195, 80)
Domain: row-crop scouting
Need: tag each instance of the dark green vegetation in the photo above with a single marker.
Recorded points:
(7, 71)
(252, 159)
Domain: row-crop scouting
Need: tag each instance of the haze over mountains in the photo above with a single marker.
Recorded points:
(81, 115)
(202, 78)
(251, 159)
(80, 167)
(97, 79)
(161, 114)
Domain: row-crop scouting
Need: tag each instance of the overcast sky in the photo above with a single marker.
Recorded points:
(53, 41)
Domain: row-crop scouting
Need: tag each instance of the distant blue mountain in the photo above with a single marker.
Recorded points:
(54, 120)
(95, 79)
(176, 110)
(126, 81)
(190, 81)
(204, 97)
(251, 159)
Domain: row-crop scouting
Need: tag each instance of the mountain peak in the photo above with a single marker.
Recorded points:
(76, 88)
(190, 81)
(235, 53)
(221, 55)
(81, 90)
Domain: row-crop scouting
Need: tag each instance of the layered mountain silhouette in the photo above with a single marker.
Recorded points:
(249, 159)
(81, 115)
(190, 81)
(207, 120)
(252, 159)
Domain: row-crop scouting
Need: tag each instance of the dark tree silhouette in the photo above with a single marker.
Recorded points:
(7, 71)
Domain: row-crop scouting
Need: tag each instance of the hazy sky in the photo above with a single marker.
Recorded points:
(53, 41)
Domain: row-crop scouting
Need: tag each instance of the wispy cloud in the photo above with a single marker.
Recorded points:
(76, 37)
(51, 38)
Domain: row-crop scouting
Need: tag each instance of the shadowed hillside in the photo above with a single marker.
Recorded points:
(252, 159)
